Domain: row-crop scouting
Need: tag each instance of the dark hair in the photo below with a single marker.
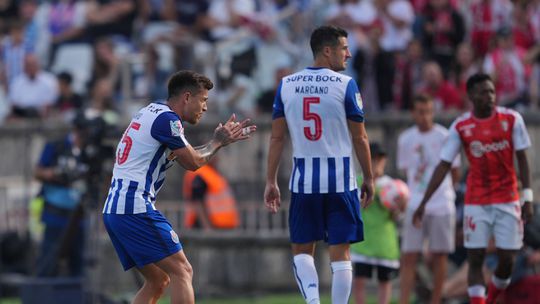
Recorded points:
(421, 98)
(187, 81)
(66, 77)
(475, 79)
(325, 35)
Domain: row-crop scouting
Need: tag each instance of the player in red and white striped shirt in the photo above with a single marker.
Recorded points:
(490, 136)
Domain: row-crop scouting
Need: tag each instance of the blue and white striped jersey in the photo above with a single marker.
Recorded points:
(316, 102)
(142, 159)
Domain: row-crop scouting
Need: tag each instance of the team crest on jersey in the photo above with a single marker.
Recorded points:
(174, 237)
(359, 100)
(504, 125)
(176, 128)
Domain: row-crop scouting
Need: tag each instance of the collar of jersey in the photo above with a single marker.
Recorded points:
(315, 68)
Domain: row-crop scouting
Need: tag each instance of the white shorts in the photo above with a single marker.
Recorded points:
(502, 221)
(438, 230)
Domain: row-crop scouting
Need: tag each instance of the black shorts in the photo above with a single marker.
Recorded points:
(384, 273)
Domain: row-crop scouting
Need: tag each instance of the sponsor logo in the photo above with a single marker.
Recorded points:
(174, 237)
(176, 128)
(359, 100)
(466, 129)
(478, 149)
(504, 125)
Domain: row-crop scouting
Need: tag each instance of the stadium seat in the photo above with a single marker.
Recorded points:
(77, 59)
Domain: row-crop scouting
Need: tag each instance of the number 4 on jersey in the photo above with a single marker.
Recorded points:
(122, 155)
(309, 115)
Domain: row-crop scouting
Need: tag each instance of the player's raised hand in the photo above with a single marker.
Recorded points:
(366, 194)
(272, 197)
(233, 131)
(418, 215)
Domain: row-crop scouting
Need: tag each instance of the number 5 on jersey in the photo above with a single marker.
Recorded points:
(309, 115)
(122, 155)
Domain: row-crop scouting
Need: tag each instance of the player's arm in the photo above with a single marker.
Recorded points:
(272, 196)
(525, 177)
(521, 141)
(360, 142)
(449, 152)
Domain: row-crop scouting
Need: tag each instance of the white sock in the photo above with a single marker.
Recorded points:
(500, 283)
(305, 274)
(478, 291)
(341, 281)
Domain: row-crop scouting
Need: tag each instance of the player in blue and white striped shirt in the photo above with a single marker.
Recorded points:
(141, 235)
(321, 109)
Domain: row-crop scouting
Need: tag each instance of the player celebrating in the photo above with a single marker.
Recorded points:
(489, 136)
(321, 109)
(142, 237)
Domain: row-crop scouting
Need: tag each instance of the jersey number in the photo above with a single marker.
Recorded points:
(310, 134)
(122, 155)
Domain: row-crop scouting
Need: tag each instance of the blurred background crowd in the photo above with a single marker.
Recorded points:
(107, 58)
(104, 55)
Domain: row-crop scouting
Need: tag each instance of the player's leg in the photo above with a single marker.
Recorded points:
(508, 232)
(340, 262)
(344, 226)
(180, 272)
(477, 229)
(362, 274)
(385, 276)
(411, 246)
(306, 226)
(155, 282)
(441, 234)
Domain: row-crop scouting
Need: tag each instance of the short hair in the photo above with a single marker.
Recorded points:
(325, 35)
(187, 81)
(65, 77)
(475, 79)
(422, 98)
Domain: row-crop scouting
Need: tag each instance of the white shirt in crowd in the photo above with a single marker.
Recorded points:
(418, 154)
(33, 93)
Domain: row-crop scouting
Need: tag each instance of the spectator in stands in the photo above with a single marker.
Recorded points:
(110, 17)
(408, 77)
(32, 93)
(12, 50)
(504, 64)
(522, 27)
(68, 102)
(374, 67)
(265, 101)
(443, 29)
(102, 102)
(445, 95)
(485, 18)
(106, 63)
(465, 66)
(397, 17)
(62, 22)
(209, 201)
(533, 57)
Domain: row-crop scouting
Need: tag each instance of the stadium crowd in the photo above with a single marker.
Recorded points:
(61, 56)
(102, 54)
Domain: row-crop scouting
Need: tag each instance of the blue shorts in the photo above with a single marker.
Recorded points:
(141, 239)
(333, 217)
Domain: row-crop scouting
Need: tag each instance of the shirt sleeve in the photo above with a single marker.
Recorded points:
(353, 102)
(451, 146)
(520, 136)
(278, 108)
(168, 130)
